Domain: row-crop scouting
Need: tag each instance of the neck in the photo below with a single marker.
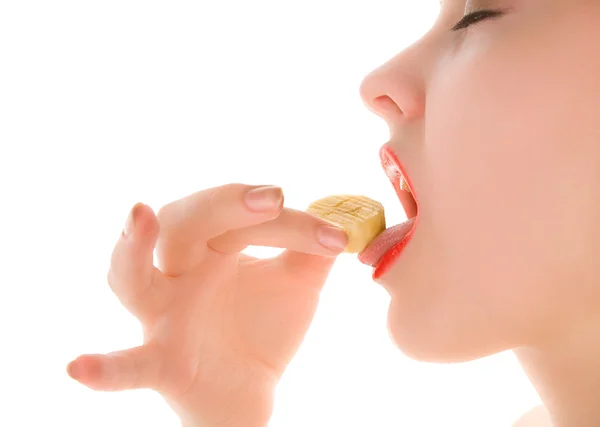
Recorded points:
(566, 374)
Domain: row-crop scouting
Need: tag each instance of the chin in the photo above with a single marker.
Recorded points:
(422, 341)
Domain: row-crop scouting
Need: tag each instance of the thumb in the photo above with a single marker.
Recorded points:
(309, 269)
(138, 367)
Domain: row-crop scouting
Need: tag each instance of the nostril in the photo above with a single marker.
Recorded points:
(386, 107)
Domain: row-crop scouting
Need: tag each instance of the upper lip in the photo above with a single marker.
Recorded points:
(394, 170)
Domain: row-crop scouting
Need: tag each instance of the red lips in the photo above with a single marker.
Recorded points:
(379, 253)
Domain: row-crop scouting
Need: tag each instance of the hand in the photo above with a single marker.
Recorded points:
(219, 326)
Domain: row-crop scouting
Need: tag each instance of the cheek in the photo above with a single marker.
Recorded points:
(507, 142)
(492, 209)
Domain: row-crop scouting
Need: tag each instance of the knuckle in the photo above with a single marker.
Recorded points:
(224, 194)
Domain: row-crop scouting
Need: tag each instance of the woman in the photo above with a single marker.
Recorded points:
(493, 116)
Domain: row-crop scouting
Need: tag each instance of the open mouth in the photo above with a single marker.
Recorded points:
(387, 247)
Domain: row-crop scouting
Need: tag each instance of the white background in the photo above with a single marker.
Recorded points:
(106, 103)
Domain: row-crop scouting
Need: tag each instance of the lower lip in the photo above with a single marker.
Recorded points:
(394, 170)
(390, 257)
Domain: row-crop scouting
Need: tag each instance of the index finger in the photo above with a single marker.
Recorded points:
(209, 213)
(188, 223)
(292, 229)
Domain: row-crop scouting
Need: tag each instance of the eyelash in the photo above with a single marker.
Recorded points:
(475, 17)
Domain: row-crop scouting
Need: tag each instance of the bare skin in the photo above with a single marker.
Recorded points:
(219, 326)
(496, 124)
(537, 417)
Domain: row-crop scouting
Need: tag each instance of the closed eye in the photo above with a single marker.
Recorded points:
(475, 17)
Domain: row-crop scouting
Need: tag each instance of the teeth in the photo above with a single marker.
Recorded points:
(404, 185)
(361, 218)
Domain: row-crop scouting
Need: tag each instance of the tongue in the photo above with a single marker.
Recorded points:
(384, 242)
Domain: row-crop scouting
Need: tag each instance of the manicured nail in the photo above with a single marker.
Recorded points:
(332, 238)
(263, 199)
(130, 223)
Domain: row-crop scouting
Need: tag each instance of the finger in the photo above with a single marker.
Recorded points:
(302, 269)
(132, 276)
(138, 367)
(292, 229)
(187, 224)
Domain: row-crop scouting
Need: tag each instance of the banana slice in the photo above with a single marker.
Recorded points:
(360, 217)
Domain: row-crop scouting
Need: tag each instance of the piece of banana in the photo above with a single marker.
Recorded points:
(361, 218)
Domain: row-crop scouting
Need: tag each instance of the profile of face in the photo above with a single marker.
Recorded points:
(497, 126)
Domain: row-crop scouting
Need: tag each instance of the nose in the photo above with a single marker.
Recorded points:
(396, 90)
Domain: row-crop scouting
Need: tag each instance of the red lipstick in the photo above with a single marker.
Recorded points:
(379, 253)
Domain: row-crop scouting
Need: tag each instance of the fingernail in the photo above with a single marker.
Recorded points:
(130, 223)
(332, 238)
(267, 198)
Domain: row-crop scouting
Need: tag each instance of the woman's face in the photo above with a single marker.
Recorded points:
(498, 129)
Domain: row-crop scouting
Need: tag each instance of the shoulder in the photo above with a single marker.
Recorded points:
(537, 417)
